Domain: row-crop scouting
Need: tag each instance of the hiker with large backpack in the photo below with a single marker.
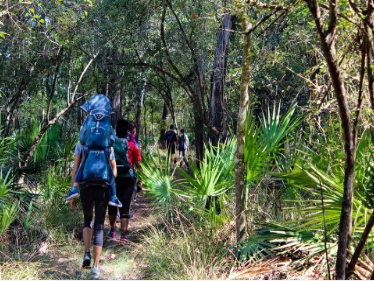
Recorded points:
(171, 140)
(94, 170)
(183, 146)
(126, 178)
(92, 135)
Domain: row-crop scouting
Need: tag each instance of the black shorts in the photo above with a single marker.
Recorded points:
(171, 148)
(124, 188)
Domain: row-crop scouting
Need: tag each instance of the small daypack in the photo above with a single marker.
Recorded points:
(169, 136)
(97, 136)
(121, 148)
(181, 143)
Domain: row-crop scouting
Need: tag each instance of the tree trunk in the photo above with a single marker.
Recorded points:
(199, 128)
(163, 125)
(241, 228)
(139, 105)
(217, 115)
(327, 38)
(114, 89)
(199, 139)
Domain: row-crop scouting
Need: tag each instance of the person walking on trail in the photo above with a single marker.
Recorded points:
(94, 169)
(124, 183)
(171, 140)
(97, 135)
(132, 133)
(183, 147)
(131, 137)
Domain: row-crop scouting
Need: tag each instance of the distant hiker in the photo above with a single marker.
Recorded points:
(125, 182)
(94, 169)
(93, 134)
(131, 137)
(183, 146)
(171, 140)
(132, 133)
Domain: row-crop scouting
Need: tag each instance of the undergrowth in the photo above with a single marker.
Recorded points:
(182, 248)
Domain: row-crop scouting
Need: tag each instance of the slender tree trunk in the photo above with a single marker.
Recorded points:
(199, 139)
(163, 125)
(327, 38)
(139, 105)
(144, 118)
(217, 115)
(199, 127)
(241, 228)
(114, 89)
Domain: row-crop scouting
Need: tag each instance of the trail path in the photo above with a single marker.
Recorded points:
(119, 261)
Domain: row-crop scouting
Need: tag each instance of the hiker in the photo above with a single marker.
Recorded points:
(183, 146)
(94, 105)
(131, 137)
(132, 133)
(124, 182)
(94, 170)
(171, 140)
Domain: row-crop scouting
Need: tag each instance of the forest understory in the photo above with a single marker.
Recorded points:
(275, 98)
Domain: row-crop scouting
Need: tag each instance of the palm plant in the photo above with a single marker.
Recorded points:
(9, 209)
(319, 172)
(263, 143)
(158, 183)
(215, 176)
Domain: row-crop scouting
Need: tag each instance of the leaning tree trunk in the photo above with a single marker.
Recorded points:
(217, 115)
(241, 229)
(139, 105)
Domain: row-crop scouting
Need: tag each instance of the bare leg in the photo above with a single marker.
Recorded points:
(96, 254)
(87, 236)
(112, 222)
(124, 225)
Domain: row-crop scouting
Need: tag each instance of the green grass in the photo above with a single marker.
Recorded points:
(184, 250)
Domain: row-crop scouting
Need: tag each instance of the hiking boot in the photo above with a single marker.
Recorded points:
(72, 194)
(86, 259)
(115, 202)
(123, 239)
(112, 235)
(96, 272)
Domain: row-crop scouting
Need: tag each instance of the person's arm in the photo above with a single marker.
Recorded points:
(114, 167)
(77, 162)
(136, 157)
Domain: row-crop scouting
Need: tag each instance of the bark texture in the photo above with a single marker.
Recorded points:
(217, 116)
(241, 229)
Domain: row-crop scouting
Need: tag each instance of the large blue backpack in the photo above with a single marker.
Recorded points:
(97, 136)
